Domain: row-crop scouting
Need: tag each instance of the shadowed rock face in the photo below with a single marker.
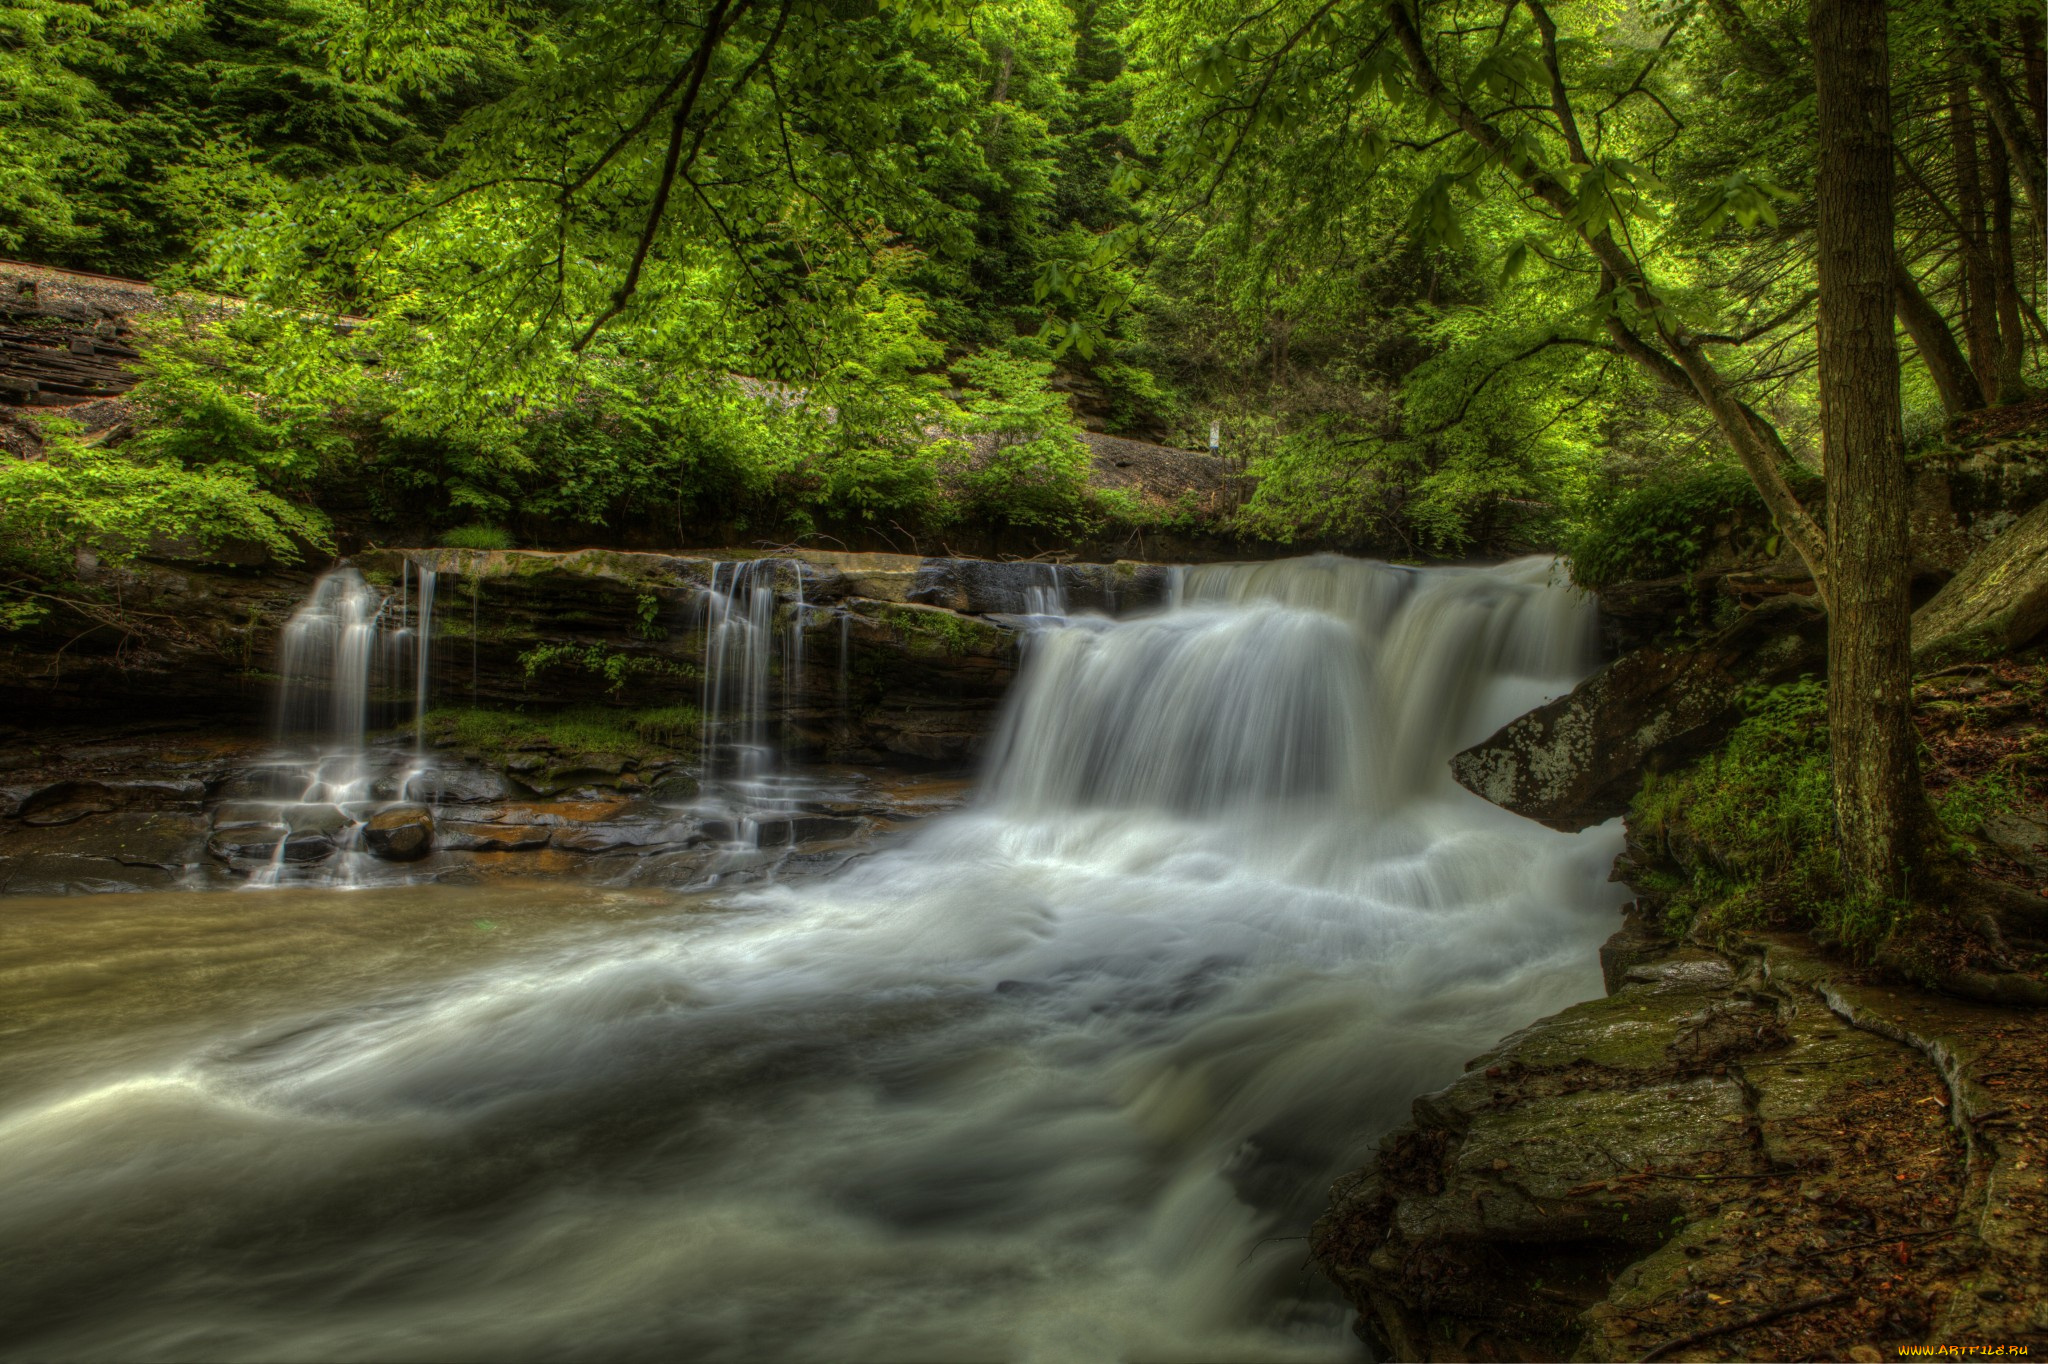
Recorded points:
(1578, 761)
(928, 653)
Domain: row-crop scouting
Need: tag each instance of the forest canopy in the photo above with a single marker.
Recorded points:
(1447, 277)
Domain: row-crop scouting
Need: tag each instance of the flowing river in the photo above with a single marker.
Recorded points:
(1063, 1076)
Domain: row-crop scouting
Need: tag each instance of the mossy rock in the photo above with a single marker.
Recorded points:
(1997, 602)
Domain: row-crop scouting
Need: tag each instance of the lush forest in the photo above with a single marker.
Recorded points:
(1443, 283)
(747, 581)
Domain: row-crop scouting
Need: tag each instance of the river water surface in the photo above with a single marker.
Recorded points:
(1062, 1076)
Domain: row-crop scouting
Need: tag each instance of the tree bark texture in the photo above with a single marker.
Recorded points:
(2005, 280)
(1980, 318)
(2013, 130)
(1871, 738)
(2034, 59)
(1953, 378)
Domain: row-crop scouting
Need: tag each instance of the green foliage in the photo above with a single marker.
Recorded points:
(1658, 530)
(1964, 806)
(617, 669)
(669, 726)
(1752, 823)
(1029, 466)
(116, 505)
(477, 537)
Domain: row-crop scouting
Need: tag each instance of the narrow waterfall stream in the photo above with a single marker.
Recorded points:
(1062, 1077)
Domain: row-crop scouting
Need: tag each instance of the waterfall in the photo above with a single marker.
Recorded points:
(349, 658)
(339, 652)
(1061, 1075)
(1318, 680)
(1048, 598)
(739, 648)
(423, 654)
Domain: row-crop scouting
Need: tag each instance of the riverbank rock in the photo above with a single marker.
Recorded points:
(1755, 1156)
(533, 630)
(400, 834)
(1996, 603)
(1578, 761)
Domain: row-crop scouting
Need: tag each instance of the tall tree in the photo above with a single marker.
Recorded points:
(1876, 782)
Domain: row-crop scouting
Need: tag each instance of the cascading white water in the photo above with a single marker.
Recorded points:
(346, 657)
(423, 653)
(333, 650)
(739, 648)
(1048, 598)
(1062, 1078)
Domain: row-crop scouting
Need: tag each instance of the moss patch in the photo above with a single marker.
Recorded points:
(1751, 826)
(930, 630)
(495, 735)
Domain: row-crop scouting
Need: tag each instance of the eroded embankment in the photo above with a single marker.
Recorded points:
(1761, 1157)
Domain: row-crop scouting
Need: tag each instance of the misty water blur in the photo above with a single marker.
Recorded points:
(1064, 1076)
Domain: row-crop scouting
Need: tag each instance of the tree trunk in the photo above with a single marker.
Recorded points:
(1870, 732)
(2013, 130)
(1952, 375)
(1980, 317)
(2035, 61)
(2011, 387)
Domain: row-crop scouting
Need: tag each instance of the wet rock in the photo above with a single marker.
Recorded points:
(674, 788)
(604, 838)
(400, 834)
(1544, 1205)
(242, 814)
(781, 831)
(2021, 836)
(65, 801)
(677, 870)
(269, 782)
(1641, 938)
(326, 820)
(879, 577)
(458, 786)
(1996, 603)
(68, 874)
(260, 844)
(918, 682)
(984, 588)
(456, 835)
(1578, 761)
(594, 771)
(136, 838)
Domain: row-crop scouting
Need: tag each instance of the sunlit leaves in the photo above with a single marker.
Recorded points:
(1742, 198)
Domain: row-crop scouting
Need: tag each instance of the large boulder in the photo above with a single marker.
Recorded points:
(1577, 761)
(1997, 601)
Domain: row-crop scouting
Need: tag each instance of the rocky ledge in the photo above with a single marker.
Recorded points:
(156, 810)
(1756, 1157)
(904, 657)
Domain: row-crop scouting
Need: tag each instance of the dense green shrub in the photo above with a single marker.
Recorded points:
(1753, 825)
(1658, 530)
(118, 504)
(1030, 467)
